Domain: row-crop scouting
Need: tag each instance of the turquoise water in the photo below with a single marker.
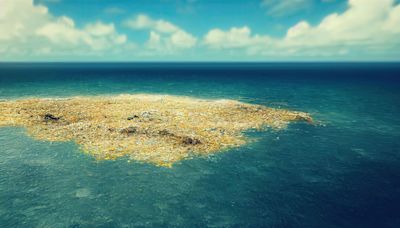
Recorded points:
(342, 172)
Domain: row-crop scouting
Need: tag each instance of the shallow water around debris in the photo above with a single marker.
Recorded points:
(342, 172)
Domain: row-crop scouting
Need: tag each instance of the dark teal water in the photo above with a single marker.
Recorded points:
(343, 172)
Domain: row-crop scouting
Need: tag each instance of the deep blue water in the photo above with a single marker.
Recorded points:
(342, 172)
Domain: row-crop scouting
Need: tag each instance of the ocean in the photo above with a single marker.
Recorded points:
(342, 171)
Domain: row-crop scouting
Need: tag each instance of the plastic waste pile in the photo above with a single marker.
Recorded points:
(158, 129)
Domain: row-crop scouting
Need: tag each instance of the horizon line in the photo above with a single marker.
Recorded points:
(196, 62)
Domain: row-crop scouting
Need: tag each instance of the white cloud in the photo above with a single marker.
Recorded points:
(163, 35)
(233, 38)
(28, 29)
(364, 22)
(143, 21)
(285, 7)
(367, 26)
(114, 10)
(280, 8)
(154, 40)
(182, 39)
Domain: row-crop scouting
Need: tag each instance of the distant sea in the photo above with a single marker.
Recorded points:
(344, 171)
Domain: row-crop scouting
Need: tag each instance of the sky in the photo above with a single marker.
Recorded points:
(199, 30)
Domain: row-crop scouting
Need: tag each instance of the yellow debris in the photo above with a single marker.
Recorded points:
(159, 129)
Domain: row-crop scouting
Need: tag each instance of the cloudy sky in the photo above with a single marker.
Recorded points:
(199, 30)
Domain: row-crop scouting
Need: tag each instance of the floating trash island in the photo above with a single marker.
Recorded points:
(158, 129)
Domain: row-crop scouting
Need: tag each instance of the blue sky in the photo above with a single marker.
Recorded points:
(199, 30)
(198, 16)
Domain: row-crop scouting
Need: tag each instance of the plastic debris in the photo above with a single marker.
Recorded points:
(159, 129)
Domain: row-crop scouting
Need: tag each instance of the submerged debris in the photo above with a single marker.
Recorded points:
(150, 128)
(190, 141)
(50, 117)
(129, 130)
(132, 117)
